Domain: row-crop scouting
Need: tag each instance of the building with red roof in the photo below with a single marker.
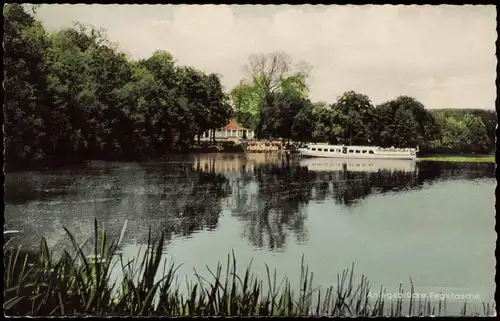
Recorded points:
(232, 125)
(232, 130)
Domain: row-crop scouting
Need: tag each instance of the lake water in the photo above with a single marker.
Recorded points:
(433, 222)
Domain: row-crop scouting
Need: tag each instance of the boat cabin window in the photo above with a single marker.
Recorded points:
(313, 148)
(338, 150)
(357, 152)
(332, 150)
(364, 152)
(370, 152)
(319, 150)
(350, 151)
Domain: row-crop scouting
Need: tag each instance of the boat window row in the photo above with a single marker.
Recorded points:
(326, 149)
(351, 151)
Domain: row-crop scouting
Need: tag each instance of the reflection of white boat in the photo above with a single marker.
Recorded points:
(358, 165)
(361, 152)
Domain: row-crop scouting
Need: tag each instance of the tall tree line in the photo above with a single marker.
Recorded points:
(71, 95)
(275, 103)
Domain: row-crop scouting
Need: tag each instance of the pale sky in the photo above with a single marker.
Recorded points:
(444, 56)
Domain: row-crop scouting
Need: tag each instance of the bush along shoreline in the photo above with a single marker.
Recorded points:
(39, 284)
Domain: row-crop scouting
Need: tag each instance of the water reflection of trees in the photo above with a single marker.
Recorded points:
(187, 200)
(355, 186)
(273, 205)
(170, 196)
(180, 196)
(276, 208)
(271, 200)
(430, 172)
(22, 187)
(349, 187)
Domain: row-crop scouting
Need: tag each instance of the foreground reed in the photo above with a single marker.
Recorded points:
(76, 284)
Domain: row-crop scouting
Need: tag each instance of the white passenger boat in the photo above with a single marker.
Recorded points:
(365, 152)
(358, 165)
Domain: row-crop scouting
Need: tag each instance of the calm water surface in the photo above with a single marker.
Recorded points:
(433, 222)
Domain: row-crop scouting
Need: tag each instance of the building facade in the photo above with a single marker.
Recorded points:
(231, 131)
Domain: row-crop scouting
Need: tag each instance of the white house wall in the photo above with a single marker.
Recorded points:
(230, 133)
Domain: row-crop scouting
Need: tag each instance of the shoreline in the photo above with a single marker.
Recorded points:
(458, 158)
(239, 149)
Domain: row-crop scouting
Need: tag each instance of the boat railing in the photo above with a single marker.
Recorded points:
(397, 149)
(394, 149)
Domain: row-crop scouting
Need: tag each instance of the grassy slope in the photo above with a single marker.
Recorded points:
(480, 159)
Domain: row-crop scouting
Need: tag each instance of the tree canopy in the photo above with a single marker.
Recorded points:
(70, 95)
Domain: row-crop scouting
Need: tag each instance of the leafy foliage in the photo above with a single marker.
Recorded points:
(71, 96)
(465, 131)
(462, 132)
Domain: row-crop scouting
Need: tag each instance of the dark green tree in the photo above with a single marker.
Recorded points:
(353, 114)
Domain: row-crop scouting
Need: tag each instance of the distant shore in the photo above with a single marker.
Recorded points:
(459, 158)
(232, 148)
(242, 147)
